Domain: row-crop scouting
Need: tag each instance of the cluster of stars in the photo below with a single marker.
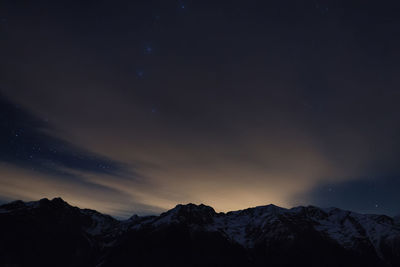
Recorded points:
(149, 50)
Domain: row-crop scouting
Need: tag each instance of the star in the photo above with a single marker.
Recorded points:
(139, 74)
(148, 49)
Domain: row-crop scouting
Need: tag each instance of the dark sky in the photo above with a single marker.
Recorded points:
(135, 106)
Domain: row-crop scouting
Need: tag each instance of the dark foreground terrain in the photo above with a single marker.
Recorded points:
(53, 233)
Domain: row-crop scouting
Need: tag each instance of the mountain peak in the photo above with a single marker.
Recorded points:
(56, 202)
(193, 207)
(59, 201)
(189, 213)
(258, 210)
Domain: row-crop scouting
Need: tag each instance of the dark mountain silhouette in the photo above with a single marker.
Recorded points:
(53, 233)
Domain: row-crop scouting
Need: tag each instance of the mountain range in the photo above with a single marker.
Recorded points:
(54, 233)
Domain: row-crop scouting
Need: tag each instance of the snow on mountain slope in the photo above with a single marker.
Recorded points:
(248, 228)
(100, 223)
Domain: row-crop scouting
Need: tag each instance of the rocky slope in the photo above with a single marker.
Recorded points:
(53, 233)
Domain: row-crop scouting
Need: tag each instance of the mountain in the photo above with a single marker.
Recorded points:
(53, 233)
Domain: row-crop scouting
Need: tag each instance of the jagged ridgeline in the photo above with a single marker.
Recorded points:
(53, 233)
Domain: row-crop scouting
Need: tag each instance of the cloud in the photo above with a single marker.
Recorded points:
(35, 163)
(29, 142)
(240, 120)
(17, 183)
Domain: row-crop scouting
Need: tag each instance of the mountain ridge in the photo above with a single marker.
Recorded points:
(61, 200)
(257, 236)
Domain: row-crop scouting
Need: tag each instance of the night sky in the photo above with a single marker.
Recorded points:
(135, 106)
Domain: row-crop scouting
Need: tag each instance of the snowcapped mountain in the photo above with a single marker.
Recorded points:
(53, 233)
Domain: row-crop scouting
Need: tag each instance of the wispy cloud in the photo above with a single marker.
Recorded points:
(27, 142)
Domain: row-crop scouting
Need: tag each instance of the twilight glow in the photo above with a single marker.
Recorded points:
(134, 106)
